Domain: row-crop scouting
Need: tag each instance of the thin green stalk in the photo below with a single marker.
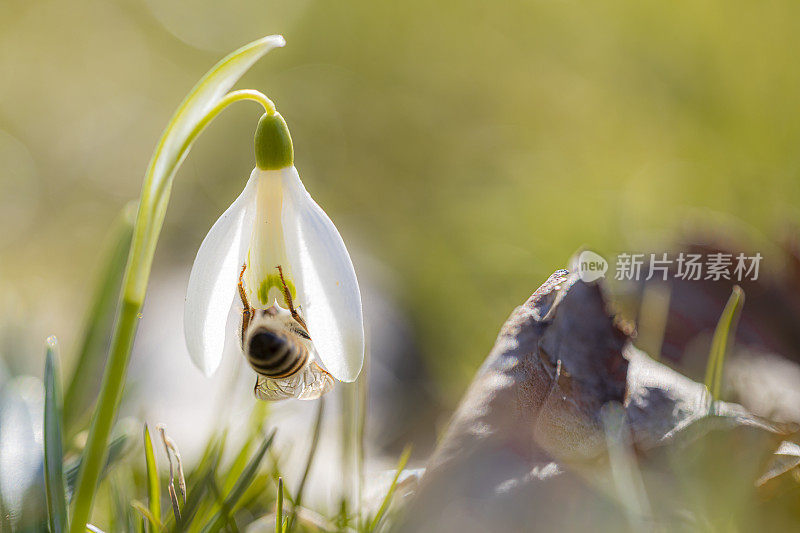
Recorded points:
(82, 387)
(147, 514)
(153, 487)
(200, 480)
(279, 508)
(719, 343)
(238, 490)
(298, 499)
(107, 404)
(224, 510)
(401, 465)
(54, 443)
(206, 100)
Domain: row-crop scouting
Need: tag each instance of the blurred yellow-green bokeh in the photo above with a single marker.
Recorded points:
(466, 148)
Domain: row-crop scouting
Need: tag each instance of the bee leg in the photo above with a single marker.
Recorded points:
(247, 312)
(288, 296)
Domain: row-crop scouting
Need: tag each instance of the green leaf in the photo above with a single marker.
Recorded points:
(82, 388)
(214, 449)
(279, 508)
(118, 448)
(153, 487)
(198, 508)
(236, 467)
(54, 442)
(219, 519)
(401, 464)
(147, 514)
(197, 490)
(719, 343)
(124, 517)
(230, 523)
(205, 101)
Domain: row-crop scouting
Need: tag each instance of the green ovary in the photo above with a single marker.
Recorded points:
(274, 280)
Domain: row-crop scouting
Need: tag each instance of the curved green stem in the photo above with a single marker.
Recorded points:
(150, 218)
(153, 204)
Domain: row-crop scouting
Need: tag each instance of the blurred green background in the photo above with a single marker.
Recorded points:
(468, 148)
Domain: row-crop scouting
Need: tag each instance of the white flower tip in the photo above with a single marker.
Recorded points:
(205, 357)
(209, 370)
(350, 374)
(343, 351)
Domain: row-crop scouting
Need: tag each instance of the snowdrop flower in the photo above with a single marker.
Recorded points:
(275, 223)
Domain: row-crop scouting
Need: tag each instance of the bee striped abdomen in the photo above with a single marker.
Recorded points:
(275, 355)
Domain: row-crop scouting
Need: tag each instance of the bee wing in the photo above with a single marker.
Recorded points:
(308, 384)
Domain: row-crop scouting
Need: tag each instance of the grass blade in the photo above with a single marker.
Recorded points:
(147, 514)
(202, 104)
(298, 499)
(401, 465)
(219, 519)
(118, 448)
(279, 508)
(196, 493)
(236, 467)
(153, 487)
(53, 443)
(719, 343)
(226, 511)
(82, 388)
(198, 509)
(124, 516)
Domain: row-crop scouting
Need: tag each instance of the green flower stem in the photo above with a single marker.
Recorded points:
(149, 220)
(153, 206)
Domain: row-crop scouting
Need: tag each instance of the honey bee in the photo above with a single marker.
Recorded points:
(276, 344)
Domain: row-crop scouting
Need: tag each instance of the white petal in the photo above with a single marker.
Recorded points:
(212, 283)
(267, 240)
(326, 281)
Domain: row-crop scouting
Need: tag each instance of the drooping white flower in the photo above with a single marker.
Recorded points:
(275, 222)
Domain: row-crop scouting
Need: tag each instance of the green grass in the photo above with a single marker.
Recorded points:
(726, 328)
(54, 443)
(153, 483)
